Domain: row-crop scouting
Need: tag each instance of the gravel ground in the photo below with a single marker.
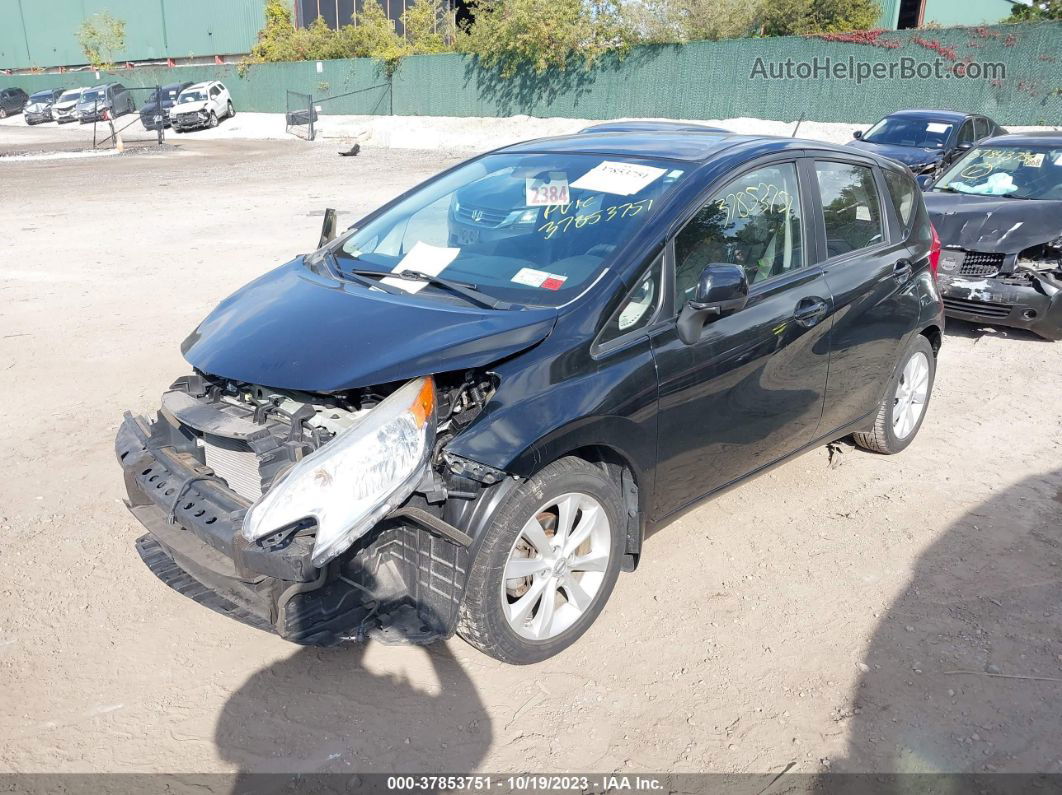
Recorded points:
(848, 611)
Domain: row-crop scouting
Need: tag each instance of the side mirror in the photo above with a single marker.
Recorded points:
(964, 146)
(328, 228)
(722, 289)
(858, 135)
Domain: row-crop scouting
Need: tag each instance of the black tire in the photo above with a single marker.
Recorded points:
(3, 113)
(882, 438)
(231, 111)
(213, 120)
(481, 620)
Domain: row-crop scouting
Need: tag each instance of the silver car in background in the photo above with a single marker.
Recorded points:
(65, 108)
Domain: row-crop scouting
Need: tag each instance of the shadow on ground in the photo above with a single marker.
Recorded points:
(322, 711)
(965, 669)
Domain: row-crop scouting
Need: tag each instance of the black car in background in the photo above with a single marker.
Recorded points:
(999, 214)
(926, 140)
(155, 111)
(398, 438)
(39, 106)
(12, 100)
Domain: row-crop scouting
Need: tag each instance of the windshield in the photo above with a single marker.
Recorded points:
(532, 229)
(192, 96)
(70, 96)
(93, 96)
(1019, 172)
(904, 131)
(41, 96)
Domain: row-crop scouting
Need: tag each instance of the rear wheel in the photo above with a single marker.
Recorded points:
(903, 408)
(3, 112)
(547, 565)
(231, 111)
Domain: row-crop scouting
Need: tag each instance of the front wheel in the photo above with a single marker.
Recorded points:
(903, 408)
(3, 113)
(547, 565)
(213, 119)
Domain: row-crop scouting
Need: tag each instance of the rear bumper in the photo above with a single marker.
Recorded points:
(998, 302)
(398, 584)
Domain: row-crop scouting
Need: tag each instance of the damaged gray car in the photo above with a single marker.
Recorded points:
(998, 212)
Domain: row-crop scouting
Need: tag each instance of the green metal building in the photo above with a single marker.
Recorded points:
(42, 33)
(903, 14)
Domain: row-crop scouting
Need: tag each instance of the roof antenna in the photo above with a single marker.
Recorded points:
(799, 122)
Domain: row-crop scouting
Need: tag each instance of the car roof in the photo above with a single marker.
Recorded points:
(1025, 139)
(649, 125)
(685, 145)
(949, 115)
(203, 84)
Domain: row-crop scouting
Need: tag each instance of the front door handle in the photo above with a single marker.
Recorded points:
(902, 270)
(810, 311)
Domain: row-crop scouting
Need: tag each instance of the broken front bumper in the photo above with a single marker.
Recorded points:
(398, 584)
(1005, 301)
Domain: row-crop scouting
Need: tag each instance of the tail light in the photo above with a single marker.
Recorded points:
(934, 251)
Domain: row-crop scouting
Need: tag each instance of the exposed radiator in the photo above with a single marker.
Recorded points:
(235, 463)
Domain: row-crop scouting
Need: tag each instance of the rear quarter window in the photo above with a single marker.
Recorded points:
(903, 193)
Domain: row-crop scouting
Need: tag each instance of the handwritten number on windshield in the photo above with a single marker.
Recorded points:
(566, 222)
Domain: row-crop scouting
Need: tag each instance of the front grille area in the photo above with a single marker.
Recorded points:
(977, 263)
(235, 463)
(981, 308)
(188, 118)
(481, 216)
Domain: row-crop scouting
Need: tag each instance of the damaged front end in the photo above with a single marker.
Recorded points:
(1021, 290)
(321, 517)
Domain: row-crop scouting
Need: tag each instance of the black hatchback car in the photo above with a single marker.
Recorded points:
(12, 101)
(926, 140)
(399, 438)
(155, 112)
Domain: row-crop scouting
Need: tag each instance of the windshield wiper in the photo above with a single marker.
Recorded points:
(468, 291)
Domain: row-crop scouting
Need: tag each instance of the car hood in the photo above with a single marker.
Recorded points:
(908, 155)
(993, 224)
(188, 107)
(294, 329)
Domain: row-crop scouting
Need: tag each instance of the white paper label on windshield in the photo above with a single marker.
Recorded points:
(937, 127)
(423, 257)
(536, 278)
(621, 179)
(1058, 160)
(1035, 160)
(862, 213)
(544, 192)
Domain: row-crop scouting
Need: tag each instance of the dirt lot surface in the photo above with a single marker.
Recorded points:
(848, 611)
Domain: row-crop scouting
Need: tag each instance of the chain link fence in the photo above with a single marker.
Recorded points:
(300, 115)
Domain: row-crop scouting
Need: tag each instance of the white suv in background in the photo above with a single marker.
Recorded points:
(201, 105)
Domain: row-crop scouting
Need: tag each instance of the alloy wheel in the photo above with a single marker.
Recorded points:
(911, 393)
(556, 566)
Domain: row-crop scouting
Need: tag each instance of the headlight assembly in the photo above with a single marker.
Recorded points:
(356, 479)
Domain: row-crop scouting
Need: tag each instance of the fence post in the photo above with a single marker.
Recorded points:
(312, 113)
(159, 112)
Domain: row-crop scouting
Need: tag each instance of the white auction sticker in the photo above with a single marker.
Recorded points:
(937, 127)
(428, 259)
(535, 278)
(540, 192)
(621, 179)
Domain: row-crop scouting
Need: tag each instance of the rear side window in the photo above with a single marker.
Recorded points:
(902, 192)
(850, 207)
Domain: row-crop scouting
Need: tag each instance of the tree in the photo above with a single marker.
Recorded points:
(429, 26)
(101, 37)
(802, 17)
(680, 21)
(508, 34)
(1039, 10)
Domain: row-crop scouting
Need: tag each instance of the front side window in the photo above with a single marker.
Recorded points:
(1020, 172)
(967, 134)
(753, 222)
(531, 229)
(850, 207)
(639, 307)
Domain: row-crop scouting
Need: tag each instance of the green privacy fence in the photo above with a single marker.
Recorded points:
(702, 80)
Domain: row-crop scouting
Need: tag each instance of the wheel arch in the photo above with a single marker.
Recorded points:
(935, 335)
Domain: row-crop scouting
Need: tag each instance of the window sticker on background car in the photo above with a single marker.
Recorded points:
(536, 278)
(622, 179)
(937, 127)
(544, 192)
(425, 258)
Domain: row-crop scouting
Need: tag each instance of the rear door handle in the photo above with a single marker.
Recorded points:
(810, 311)
(902, 269)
